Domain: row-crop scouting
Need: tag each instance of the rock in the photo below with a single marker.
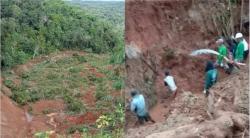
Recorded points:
(132, 51)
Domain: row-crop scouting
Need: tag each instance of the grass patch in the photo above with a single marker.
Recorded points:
(101, 91)
(79, 128)
(69, 79)
(74, 105)
(74, 69)
(21, 96)
(9, 83)
(118, 84)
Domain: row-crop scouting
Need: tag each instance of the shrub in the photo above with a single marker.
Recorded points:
(92, 78)
(22, 97)
(52, 75)
(74, 105)
(118, 85)
(169, 54)
(25, 75)
(9, 83)
(79, 128)
(100, 91)
(74, 69)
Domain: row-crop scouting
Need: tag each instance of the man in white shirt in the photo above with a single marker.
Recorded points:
(170, 83)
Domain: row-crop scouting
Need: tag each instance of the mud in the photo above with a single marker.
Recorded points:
(45, 107)
(165, 32)
(12, 119)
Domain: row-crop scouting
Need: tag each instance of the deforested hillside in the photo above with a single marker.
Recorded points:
(62, 71)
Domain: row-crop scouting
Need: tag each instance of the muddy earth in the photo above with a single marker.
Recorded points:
(160, 35)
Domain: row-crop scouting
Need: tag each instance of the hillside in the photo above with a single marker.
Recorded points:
(113, 11)
(62, 71)
(64, 92)
(159, 36)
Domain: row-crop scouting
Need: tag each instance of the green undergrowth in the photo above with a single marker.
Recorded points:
(69, 79)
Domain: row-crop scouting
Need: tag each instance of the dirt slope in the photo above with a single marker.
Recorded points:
(160, 35)
(190, 111)
(43, 115)
(12, 119)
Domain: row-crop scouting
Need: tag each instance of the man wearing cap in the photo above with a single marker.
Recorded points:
(239, 53)
(138, 106)
(222, 50)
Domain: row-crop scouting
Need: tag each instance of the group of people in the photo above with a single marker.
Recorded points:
(235, 49)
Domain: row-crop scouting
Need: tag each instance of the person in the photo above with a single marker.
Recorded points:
(222, 50)
(239, 53)
(138, 106)
(246, 49)
(231, 52)
(231, 46)
(169, 81)
(210, 77)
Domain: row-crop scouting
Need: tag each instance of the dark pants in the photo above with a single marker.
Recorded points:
(246, 54)
(146, 118)
(230, 68)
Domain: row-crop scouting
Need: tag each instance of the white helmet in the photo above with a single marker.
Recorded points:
(220, 40)
(238, 35)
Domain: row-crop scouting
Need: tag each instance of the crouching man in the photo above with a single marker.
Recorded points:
(138, 106)
(210, 77)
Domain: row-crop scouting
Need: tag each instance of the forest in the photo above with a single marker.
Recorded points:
(31, 28)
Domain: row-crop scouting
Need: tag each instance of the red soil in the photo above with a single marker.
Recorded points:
(43, 106)
(87, 118)
(12, 119)
(97, 74)
(89, 97)
(157, 27)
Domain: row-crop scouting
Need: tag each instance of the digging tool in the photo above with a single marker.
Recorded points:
(210, 51)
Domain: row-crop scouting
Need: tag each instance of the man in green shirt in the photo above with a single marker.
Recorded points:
(239, 53)
(222, 50)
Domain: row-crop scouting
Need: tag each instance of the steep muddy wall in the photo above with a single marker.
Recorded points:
(165, 32)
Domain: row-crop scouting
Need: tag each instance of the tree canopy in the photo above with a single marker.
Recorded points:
(31, 28)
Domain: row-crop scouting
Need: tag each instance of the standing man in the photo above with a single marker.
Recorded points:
(222, 50)
(138, 106)
(170, 83)
(211, 77)
(246, 49)
(239, 53)
(232, 47)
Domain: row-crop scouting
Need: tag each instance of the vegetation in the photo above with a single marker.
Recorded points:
(31, 28)
(69, 79)
(38, 28)
(112, 11)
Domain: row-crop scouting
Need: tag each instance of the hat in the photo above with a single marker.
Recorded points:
(238, 35)
(220, 40)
